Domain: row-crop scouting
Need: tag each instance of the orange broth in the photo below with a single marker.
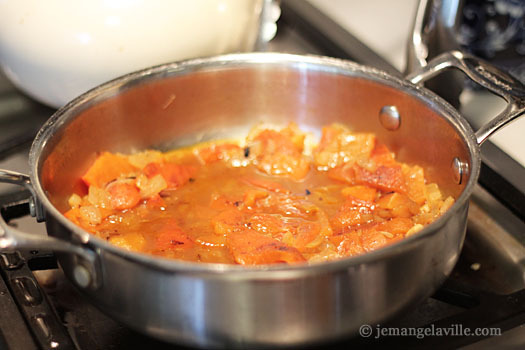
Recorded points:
(263, 200)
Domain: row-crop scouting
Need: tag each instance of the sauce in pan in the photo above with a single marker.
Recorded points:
(264, 200)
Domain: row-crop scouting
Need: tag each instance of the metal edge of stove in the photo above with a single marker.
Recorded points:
(501, 175)
(18, 336)
(44, 328)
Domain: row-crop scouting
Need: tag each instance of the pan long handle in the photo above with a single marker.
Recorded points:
(12, 239)
(486, 75)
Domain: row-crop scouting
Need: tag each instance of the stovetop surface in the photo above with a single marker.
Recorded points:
(484, 290)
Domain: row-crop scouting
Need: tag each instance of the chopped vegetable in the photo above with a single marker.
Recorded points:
(251, 197)
(363, 193)
(123, 195)
(353, 212)
(384, 178)
(225, 152)
(131, 241)
(350, 245)
(280, 153)
(415, 183)
(175, 175)
(150, 187)
(340, 146)
(108, 167)
(172, 237)
(228, 221)
(141, 159)
(397, 205)
(251, 248)
(266, 200)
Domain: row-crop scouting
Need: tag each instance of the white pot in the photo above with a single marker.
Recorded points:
(55, 50)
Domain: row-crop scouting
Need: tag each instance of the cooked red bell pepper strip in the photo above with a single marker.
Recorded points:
(385, 178)
(372, 239)
(361, 192)
(155, 202)
(353, 212)
(306, 233)
(396, 225)
(251, 248)
(228, 221)
(344, 173)
(172, 237)
(398, 205)
(215, 153)
(107, 167)
(415, 183)
(381, 155)
(123, 195)
(348, 244)
(277, 153)
(176, 175)
(387, 232)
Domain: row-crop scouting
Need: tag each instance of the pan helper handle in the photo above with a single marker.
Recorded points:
(486, 75)
(15, 178)
(12, 239)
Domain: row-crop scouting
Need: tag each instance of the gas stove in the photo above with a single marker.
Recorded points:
(40, 309)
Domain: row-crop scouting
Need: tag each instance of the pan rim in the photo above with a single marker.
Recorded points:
(326, 64)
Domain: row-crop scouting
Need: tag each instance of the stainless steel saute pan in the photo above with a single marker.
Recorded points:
(232, 306)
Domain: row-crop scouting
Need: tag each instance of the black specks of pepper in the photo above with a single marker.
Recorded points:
(307, 191)
(246, 152)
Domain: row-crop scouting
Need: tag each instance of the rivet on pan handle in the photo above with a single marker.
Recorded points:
(486, 75)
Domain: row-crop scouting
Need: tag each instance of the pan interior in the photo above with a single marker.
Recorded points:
(165, 110)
